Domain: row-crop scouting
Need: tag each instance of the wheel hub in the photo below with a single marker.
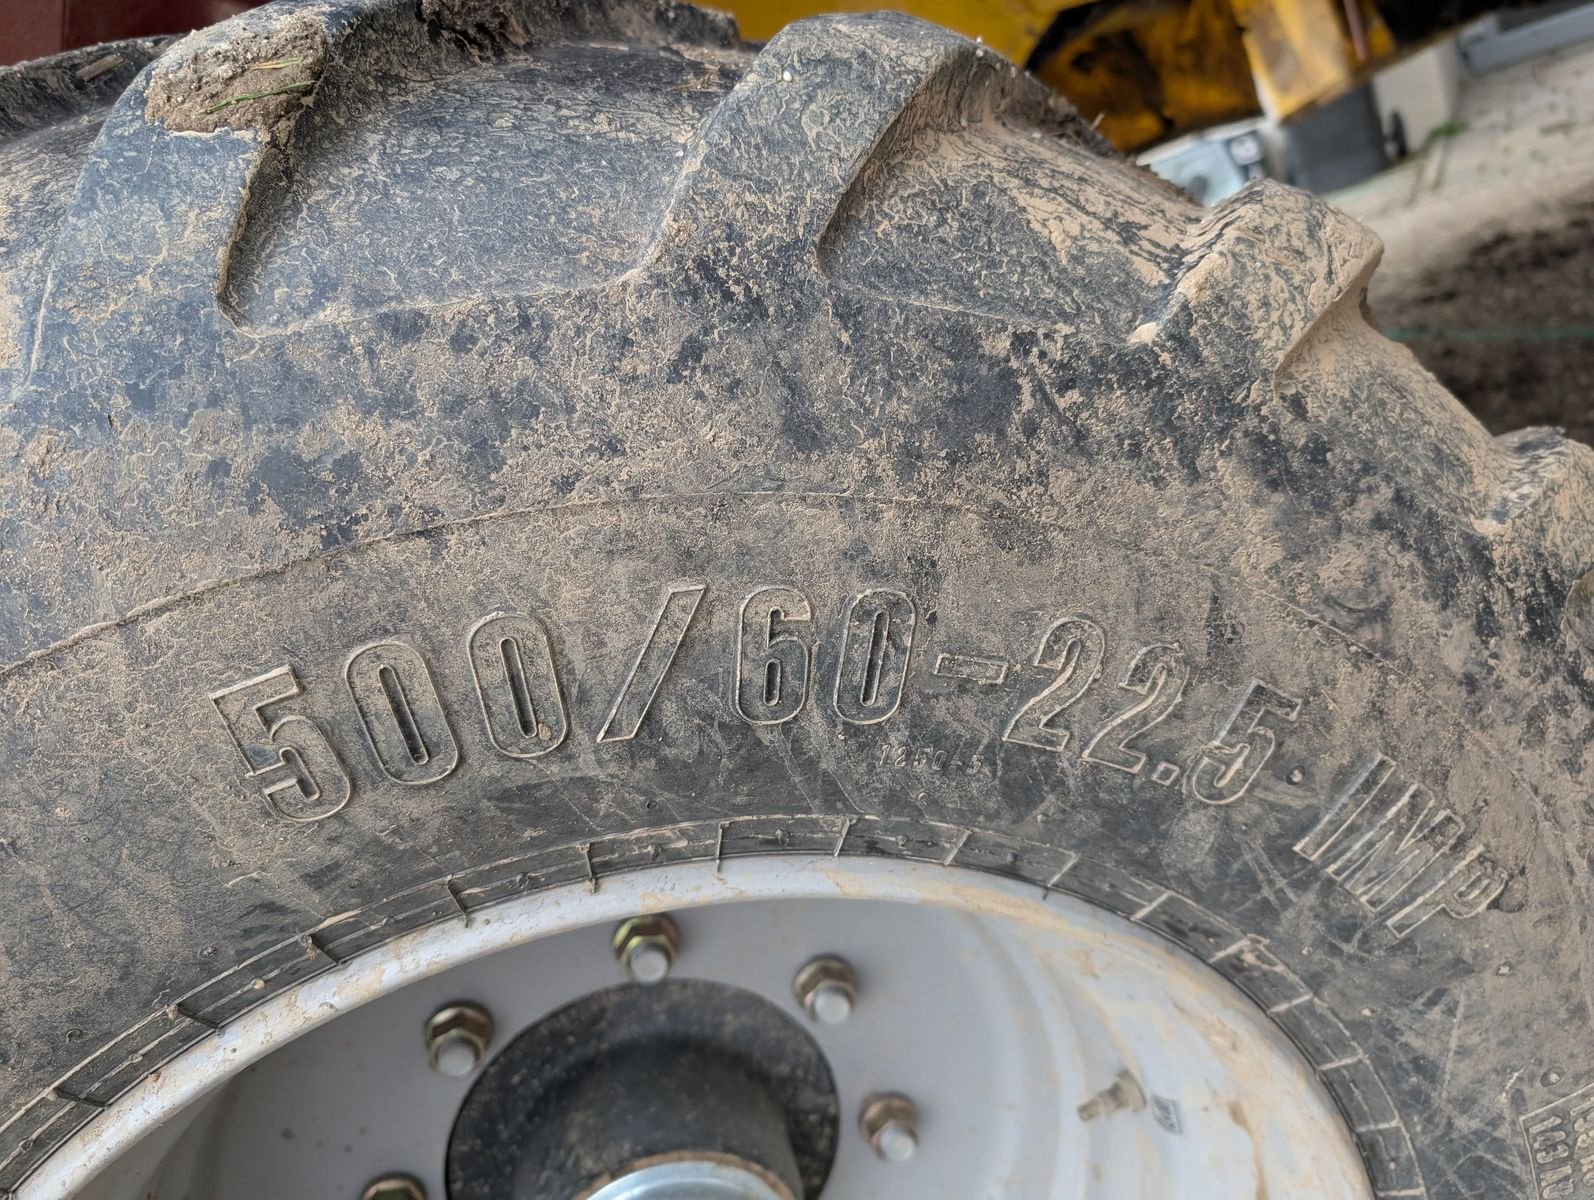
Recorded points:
(650, 1083)
(690, 1179)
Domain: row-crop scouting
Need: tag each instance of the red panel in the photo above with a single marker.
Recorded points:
(34, 28)
(90, 21)
(30, 29)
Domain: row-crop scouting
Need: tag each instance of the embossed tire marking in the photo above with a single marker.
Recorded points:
(455, 455)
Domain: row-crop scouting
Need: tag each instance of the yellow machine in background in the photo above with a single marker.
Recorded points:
(1011, 27)
(1148, 70)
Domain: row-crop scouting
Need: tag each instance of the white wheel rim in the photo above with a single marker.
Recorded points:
(998, 1013)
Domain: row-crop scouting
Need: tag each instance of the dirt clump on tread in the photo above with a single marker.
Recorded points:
(232, 77)
(483, 23)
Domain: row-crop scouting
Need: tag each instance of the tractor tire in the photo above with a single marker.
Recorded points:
(452, 451)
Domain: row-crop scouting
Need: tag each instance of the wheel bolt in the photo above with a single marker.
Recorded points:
(646, 947)
(457, 1037)
(827, 988)
(890, 1124)
(394, 1187)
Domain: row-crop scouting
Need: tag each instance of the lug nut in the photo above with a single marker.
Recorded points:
(394, 1187)
(890, 1124)
(827, 988)
(457, 1037)
(646, 947)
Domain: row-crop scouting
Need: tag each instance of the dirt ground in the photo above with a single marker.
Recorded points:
(1503, 311)
(1488, 270)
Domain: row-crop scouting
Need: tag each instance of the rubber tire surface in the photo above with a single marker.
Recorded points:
(532, 443)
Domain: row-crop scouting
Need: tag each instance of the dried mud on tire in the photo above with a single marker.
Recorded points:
(565, 439)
